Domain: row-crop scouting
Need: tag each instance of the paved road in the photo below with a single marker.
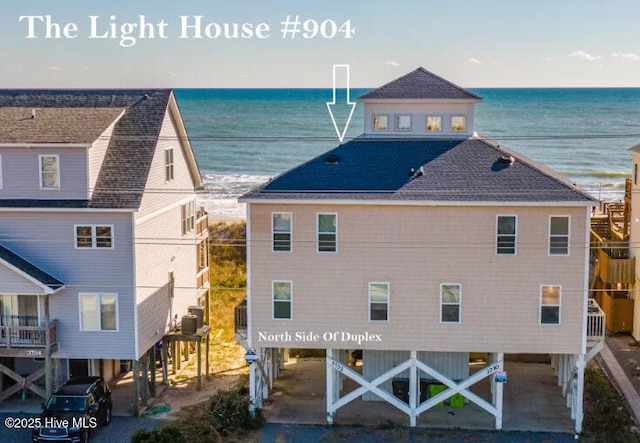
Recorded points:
(343, 434)
(119, 431)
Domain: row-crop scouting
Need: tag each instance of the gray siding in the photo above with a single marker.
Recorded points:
(454, 365)
(21, 176)
(47, 240)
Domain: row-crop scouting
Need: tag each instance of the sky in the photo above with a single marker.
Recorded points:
(474, 43)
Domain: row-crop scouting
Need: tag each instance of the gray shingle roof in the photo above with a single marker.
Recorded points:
(454, 171)
(127, 162)
(420, 84)
(30, 269)
(54, 125)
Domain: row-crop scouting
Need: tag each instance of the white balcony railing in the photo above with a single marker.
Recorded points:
(595, 321)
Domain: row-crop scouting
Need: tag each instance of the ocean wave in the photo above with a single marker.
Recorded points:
(598, 174)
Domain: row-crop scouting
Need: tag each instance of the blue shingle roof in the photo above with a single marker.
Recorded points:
(453, 171)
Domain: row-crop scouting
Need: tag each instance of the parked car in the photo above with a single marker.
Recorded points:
(79, 406)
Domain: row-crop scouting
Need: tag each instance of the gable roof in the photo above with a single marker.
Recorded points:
(420, 84)
(125, 169)
(455, 171)
(43, 279)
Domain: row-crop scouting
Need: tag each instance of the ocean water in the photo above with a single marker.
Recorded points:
(243, 137)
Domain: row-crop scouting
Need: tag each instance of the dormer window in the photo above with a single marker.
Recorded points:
(434, 123)
(49, 171)
(380, 122)
(458, 123)
(403, 123)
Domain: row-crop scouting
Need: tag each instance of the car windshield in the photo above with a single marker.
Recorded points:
(63, 403)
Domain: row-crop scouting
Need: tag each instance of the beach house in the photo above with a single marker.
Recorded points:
(418, 247)
(102, 246)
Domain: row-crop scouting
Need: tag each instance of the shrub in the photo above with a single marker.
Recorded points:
(229, 410)
(170, 434)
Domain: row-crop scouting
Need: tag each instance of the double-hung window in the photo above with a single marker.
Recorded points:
(281, 231)
(450, 302)
(434, 123)
(378, 301)
(327, 232)
(506, 231)
(94, 236)
(550, 300)
(458, 123)
(49, 171)
(168, 164)
(188, 215)
(282, 300)
(558, 235)
(98, 312)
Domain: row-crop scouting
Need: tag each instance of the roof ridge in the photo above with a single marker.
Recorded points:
(460, 88)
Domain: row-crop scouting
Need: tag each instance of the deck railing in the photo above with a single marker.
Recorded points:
(240, 317)
(202, 222)
(203, 278)
(595, 321)
(27, 336)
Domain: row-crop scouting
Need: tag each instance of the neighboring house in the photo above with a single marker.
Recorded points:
(101, 244)
(416, 244)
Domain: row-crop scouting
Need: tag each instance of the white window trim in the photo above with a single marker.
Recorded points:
(94, 236)
(426, 123)
(568, 217)
(273, 299)
(167, 164)
(57, 157)
(373, 125)
(465, 123)
(188, 217)
(559, 305)
(318, 232)
(396, 119)
(459, 304)
(98, 294)
(273, 227)
(388, 301)
(515, 245)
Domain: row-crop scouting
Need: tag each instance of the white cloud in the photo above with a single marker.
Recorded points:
(627, 56)
(585, 56)
(392, 63)
(54, 68)
(548, 59)
(474, 60)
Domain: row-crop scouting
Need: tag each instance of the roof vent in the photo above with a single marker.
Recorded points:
(331, 159)
(507, 160)
(33, 113)
(419, 173)
(146, 96)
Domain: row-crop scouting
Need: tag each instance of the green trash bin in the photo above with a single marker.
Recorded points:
(435, 389)
(456, 401)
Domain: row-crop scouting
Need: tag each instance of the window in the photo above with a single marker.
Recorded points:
(450, 299)
(168, 164)
(380, 122)
(550, 297)
(188, 215)
(559, 235)
(378, 301)
(49, 171)
(506, 234)
(434, 123)
(403, 123)
(98, 312)
(327, 232)
(281, 231)
(0, 172)
(282, 299)
(458, 123)
(635, 174)
(171, 286)
(94, 236)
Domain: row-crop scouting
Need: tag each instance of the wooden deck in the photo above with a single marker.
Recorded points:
(27, 341)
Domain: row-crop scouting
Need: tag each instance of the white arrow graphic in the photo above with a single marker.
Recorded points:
(344, 71)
